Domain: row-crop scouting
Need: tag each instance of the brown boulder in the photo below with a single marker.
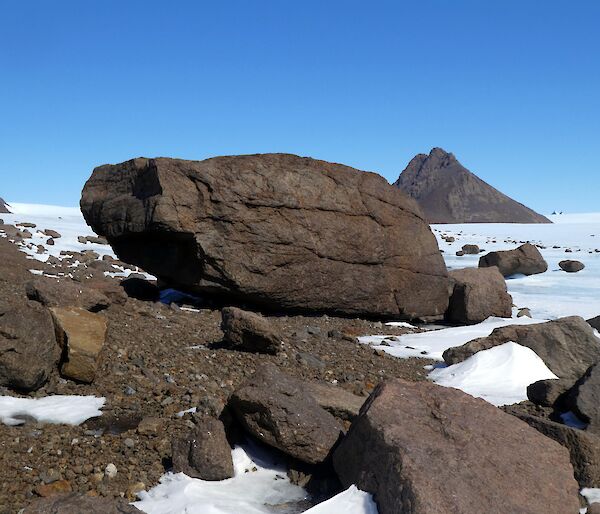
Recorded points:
(64, 292)
(79, 504)
(28, 349)
(277, 410)
(584, 398)
(526, 260)
(204, 453)
(477, 294)
(567, 346)
(571, 266)
(470, 249)
(81, 334)
(420, 448)
(249, 331)
(274, 230)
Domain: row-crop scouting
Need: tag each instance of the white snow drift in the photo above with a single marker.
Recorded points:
(57, 409)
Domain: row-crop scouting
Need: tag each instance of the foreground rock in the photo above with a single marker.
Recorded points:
(81, 334)
(79, 504)
(277, 410)
(422, 448)
(525, 260)
(28, 349)
(585, 398)
(567, 346)
(275, 230)
(583, 447)
(550, 392)
(478, 293)
(571, 266)
(249, 331)
(204, 453)
(449, 193)
(64, 292)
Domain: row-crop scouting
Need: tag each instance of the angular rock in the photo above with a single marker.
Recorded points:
(81, 334)
(335, 400)
(584, 398)
(277, 410)
(64, 292)
(567, 346)
(571, 266)
(204, 453)
(28, 348)
(78, 504)
(4, 207)
(449, 193)
(583, 447)
(248, 330)
(274, 230)
(548, 393)
(526, 260)
(478, 293)
(421, 448)
(595, 322)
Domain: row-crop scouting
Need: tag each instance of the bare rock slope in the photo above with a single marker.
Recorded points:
(447, 192)
(4, 207)
(273, 230)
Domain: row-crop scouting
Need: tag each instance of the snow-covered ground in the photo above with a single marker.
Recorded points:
(552, 294)
(58, 409)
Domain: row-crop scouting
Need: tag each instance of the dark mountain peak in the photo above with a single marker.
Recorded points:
(449, 193)
(4, 207)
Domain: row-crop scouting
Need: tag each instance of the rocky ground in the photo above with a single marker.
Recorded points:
(157, 361)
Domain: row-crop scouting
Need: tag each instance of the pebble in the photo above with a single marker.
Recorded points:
(111, 471)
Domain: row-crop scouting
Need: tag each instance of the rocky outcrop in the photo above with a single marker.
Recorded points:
(567, 346)
(81, 334)
(204, 453)
(277, 410)
(584, 398)
(449, 193)
(525, 260)
(28, 349)
(477, 294)
(4, 207)
(274, 230)
(421, 448)
(249, 331)
(571, 266)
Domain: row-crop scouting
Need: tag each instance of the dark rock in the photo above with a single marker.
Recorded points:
(585, 398)
(28, 348)
(470, 249)
(583, 447)
(277, 410)
(92, 240)
(141, 289)
(51, 233)
(524, 312)
(568, 346)
(526, 259)
(4, 207)
(595, 322)
(478, 293)
(423, 448)
(547, 393)
(204, 453)
(248, 330)
(275, 230)
(571, 266)
(78, 504)
(63, 292)
(460, 253)
(449, 193)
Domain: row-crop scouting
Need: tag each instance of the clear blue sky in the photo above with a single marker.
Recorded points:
(511, 87)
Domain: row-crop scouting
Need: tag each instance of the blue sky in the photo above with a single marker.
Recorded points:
(511, 87)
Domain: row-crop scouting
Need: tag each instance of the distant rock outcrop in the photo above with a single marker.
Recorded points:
(276, 230)
(449, 193)
(4, 207)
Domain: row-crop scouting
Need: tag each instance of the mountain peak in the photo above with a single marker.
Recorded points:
(449, 193)
(4, 207)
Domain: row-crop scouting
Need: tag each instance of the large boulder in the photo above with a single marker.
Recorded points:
(571, 266)
(275, 230)
(76, 503)
(525, 260)
(249, 331)
(28, 348)
(567, 346)
(477, 294)
(205, 452)
(81, 335)
(64, 292)
(420, 448)
(280, 412)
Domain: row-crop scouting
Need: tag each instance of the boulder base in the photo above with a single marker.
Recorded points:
(275, 230)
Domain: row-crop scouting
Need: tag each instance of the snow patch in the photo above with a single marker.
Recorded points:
(351, 501)
(57, 409)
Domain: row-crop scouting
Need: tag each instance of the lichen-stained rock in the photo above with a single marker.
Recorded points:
(28, 348)
(274, 230)
(81, 334)
(420, 448)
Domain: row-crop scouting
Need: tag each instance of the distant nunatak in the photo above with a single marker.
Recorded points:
(447, 192)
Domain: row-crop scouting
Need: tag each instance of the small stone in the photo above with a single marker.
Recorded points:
(111, 471)
(58, 487)
(130, 443)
